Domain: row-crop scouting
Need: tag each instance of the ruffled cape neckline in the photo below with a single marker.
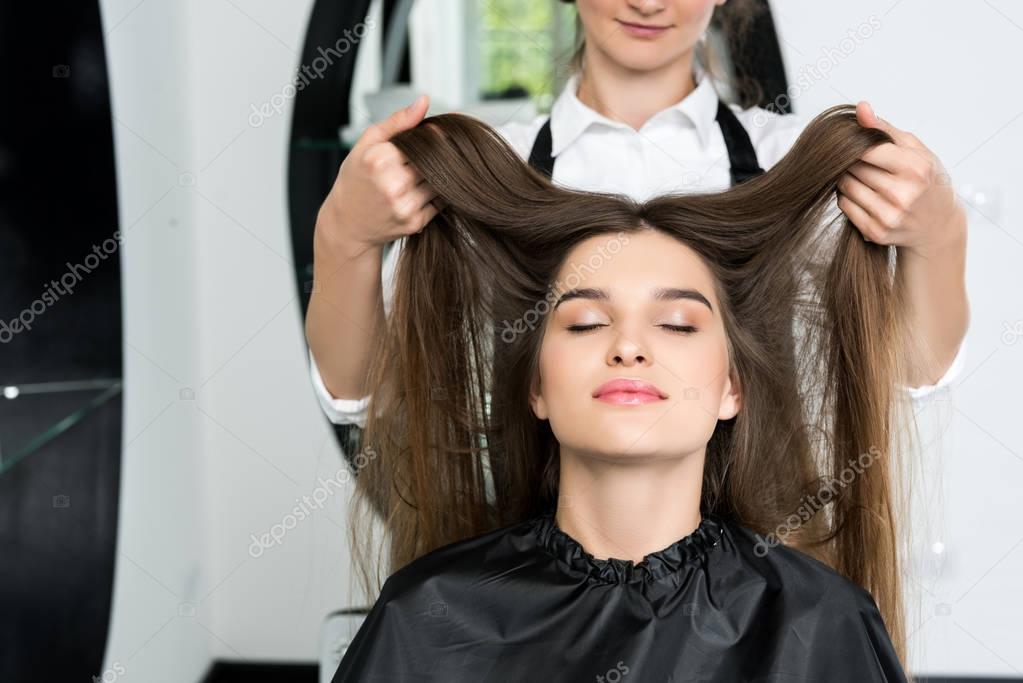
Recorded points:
(655, 565)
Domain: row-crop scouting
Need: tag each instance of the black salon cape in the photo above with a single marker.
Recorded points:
(528, 603)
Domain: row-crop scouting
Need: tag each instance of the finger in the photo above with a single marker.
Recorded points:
(894, 189)
(411, 202)
(870, 175)
(867, 198)
(891, 158)
(861, 220)
(399, 182)
(423, 218)
(868, 118)
(383, 156)
(421, 195)
(402, 119)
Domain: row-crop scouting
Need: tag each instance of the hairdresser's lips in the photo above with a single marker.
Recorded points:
(628, 392)
(642, 30)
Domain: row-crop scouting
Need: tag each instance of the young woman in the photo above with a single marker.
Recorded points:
(640, 115)
(692, 488)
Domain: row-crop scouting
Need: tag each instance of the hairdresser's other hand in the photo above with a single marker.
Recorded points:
(900, 194)
(377, 196)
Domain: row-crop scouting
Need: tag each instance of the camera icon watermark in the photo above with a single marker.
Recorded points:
(1012, 333)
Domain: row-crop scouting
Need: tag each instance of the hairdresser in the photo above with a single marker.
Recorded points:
(640, 115)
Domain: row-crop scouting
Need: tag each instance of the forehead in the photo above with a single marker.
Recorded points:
(637, 260)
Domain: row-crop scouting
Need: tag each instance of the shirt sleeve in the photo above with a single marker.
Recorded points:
(344, 411)
(338, 410)
(928, 391)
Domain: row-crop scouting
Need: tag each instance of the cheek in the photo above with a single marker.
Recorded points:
(703, 373)
(701, 365)
(693, 18)
(591, 12)
(695, 11)
(559, 368)
(607, 9)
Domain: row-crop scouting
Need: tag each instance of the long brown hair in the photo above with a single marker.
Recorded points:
(814, 317)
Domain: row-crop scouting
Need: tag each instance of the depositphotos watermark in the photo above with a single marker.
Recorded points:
(309, 72)
(615, 673)
(814, 504)
(115, 671)
(1012, 333)
(58, 288)
(529, 321)
(306, 504)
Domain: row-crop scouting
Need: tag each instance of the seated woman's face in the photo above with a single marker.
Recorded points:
(634, 306)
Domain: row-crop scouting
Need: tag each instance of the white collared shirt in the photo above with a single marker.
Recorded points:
(678, 149)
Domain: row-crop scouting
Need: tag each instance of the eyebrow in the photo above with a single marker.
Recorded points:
(659, 294)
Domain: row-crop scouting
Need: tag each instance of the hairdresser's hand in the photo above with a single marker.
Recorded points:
(377, 197)
(900, 194)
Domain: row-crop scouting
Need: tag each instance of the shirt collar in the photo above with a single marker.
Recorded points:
(570, 117)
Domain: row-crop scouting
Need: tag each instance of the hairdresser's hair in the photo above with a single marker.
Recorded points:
(814, 316)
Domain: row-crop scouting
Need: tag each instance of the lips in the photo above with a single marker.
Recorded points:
(628, 392)
(642, 30)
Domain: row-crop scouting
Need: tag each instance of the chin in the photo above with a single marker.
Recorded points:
(627, 440)
(643, 57)
(636, 60)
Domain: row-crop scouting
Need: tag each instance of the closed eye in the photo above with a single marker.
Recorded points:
(683, 329)
(583, 328)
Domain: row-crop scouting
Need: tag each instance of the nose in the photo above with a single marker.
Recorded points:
(627, 352)
(646, 7)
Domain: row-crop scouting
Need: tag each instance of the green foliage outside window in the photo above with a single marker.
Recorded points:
(524, 45)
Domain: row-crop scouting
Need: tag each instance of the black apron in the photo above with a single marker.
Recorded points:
(741, 155)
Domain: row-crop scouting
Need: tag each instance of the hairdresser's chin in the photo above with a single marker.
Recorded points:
(626, 375)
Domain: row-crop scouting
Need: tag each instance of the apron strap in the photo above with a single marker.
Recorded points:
(540, 156)
(741, 154)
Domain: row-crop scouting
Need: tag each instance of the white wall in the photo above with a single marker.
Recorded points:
(946, 72)
(161, 563)
(210, 306)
